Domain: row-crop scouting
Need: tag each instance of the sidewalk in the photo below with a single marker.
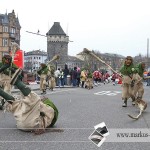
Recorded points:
(36, 87)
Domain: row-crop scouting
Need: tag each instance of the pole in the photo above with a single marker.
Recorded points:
(147, 48)
(147, 52)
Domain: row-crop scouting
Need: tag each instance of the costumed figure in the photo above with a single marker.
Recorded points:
(89, 81)
(51, 73)
(140, 68)
(7, 68)
(4, 77)
(129, 76)
(43, 72)
(51, 77)
(139, 91)
(30, 111)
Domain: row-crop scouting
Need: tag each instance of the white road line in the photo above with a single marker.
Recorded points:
(53, 92)
(102, 93)
(109, 93)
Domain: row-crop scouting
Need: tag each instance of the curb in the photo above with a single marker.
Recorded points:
(36, 89)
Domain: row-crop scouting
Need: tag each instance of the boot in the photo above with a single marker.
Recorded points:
(2, 102)
(44, 91)
(124, 103)
(133, 101)
(139, 98)
(6, 96)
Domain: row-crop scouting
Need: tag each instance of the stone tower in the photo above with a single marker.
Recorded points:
(57, 43)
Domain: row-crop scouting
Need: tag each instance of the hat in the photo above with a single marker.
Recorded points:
(129, 57)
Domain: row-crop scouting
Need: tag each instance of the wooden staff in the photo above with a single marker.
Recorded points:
(56, 57)
(14, 48)
(85, 50)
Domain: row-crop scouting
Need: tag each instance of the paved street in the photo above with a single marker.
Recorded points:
(79, 111)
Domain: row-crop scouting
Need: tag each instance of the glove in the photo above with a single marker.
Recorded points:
(132, 83)
(4, 67)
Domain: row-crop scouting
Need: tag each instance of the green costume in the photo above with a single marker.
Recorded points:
(8, 67)
(139, 89)
(127, 70)
(140, 69)
(15, 80)
(43, 70)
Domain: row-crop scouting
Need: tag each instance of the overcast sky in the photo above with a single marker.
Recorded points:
(108, 26)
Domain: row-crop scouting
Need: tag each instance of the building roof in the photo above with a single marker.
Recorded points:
(4, 19)
(106, 54)
(56, 29)
(36, 52)
(113, 55)
(74, 59)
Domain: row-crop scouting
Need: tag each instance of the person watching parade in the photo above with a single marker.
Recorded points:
(83, 77)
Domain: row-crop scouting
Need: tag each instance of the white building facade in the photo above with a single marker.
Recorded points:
(33, 59)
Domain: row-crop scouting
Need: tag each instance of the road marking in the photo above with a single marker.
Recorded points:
(53, 92)
(109, 93)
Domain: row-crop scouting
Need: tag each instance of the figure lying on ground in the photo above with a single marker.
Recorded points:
(30, 111)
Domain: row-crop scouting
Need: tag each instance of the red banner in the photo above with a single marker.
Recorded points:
(19, 59)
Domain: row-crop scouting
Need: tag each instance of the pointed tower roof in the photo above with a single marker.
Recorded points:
(56, 29)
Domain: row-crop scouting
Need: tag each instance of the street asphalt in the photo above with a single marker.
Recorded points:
(79, 111)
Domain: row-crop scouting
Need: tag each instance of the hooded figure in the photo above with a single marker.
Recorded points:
(30, 111)
(140, 68)
(7, 69)
(139, 90)
(128, 71)
(43, 72)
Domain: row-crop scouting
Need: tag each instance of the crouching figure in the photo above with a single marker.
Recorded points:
(32, 113)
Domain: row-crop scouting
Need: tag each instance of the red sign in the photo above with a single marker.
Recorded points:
(19, 59)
